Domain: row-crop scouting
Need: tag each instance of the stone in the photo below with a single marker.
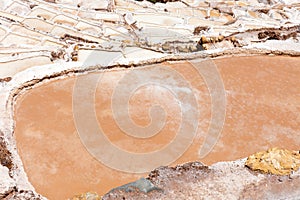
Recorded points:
(142, 185)
(275, 161)
(86, 196)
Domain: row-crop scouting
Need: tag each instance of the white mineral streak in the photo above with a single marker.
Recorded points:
(6, 182)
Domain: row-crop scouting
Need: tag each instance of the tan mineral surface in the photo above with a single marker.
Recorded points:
(227, 83)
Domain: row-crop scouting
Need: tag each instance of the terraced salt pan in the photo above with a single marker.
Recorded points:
(39, 23)
(261, 112)
(26, 48)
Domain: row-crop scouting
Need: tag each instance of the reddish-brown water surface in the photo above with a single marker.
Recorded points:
(262, 111)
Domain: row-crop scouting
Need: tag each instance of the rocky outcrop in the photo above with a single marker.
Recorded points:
(275, 161)
(224, 180)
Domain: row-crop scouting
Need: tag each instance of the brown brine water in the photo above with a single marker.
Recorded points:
(262, 111)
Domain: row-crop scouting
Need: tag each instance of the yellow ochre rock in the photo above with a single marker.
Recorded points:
(86, 196)
(275, 161)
